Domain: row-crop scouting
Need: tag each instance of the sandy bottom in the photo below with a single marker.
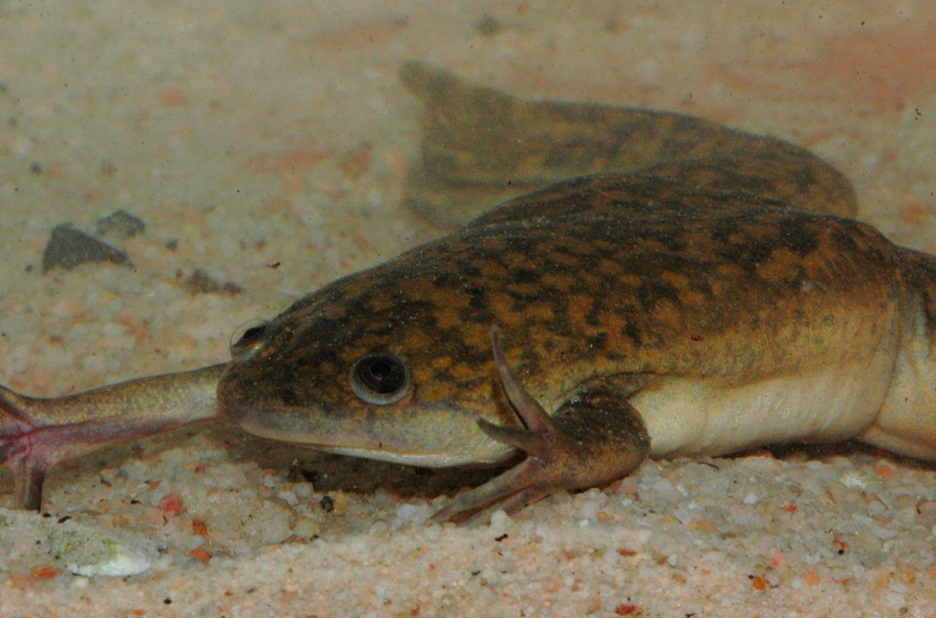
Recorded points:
(266, 143)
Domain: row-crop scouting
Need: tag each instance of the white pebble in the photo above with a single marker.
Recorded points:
(289, 497)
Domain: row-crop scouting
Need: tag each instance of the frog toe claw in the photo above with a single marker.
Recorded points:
(530, 442)
(534, 417)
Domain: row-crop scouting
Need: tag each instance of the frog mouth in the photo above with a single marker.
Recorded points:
(437, 460)
(337, 442)
(398, 443)
(411, 433)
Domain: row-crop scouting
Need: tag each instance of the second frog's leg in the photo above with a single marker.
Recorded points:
(481, 146)
(594, 438)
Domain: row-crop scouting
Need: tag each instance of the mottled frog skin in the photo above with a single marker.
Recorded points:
(717, 321)
(700, 301)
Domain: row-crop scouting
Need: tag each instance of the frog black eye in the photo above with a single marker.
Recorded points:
(380, 379)
(248, 337)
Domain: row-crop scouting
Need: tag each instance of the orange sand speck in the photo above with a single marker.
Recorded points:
(44, 572)
(628, 609)
(201, 555)
(885, 471)
(199, 527)
(173, 97)
(812, 578)
(171, 504)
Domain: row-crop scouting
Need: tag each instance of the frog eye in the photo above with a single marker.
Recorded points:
(380, 379)
(248, 338)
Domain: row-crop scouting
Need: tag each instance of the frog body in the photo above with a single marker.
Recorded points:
(723, 321)
(696, 304)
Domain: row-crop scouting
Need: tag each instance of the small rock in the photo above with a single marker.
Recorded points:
(68, 248)
(114, 559)
(200, 282)
(306, 528)
(121, 224)
(78, 548)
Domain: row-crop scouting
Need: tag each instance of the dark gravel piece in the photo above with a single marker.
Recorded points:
(121, 224)
(68, 248)
(200, 282)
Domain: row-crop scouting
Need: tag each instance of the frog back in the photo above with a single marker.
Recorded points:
(613, 275)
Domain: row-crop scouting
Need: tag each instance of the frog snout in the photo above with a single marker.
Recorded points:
(254, 403)
(257, 409)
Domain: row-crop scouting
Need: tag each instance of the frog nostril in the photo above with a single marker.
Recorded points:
(380, 379)
(248, 338)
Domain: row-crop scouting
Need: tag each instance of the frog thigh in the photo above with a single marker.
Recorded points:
(594, 437)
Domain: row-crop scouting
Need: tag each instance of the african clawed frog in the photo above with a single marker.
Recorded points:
(698, 292)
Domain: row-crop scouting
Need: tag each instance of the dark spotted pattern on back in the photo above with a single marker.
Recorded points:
(594, 277)
(694, 262)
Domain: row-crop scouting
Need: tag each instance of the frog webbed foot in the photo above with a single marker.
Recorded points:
(594, 438)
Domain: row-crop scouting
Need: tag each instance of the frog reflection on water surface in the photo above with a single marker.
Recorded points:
(697, 291)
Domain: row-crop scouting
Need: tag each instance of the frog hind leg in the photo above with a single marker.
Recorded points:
(38, 433)
(480, 146)
(594, 438)
(28, 472)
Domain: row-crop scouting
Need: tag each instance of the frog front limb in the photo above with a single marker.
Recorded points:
(594, 437)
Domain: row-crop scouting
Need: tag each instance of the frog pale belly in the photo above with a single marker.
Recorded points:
(686, 417)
